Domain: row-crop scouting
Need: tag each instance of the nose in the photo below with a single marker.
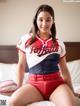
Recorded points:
(44, 23)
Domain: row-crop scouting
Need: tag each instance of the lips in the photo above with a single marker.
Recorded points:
(44, 28)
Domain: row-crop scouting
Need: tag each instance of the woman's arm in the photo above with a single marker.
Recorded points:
(20, 68)
(65, 72)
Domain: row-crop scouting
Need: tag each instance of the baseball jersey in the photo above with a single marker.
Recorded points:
(42, 55)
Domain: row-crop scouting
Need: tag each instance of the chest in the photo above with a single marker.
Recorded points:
(43, 47)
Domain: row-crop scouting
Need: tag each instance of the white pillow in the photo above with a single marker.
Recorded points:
(74, 69)
(7, 71)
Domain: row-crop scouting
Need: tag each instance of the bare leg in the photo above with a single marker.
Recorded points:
(25, 95)
(63, 96)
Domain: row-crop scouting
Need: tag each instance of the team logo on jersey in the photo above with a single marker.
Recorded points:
(44, 50)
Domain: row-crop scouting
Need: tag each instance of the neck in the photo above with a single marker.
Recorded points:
(44, 36)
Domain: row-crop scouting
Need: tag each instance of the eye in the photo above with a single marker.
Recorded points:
(48, 19)
(40, 19)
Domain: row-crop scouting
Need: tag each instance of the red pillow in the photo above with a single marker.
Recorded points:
(7, 87)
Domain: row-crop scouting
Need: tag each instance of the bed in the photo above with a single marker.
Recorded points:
(9, 59)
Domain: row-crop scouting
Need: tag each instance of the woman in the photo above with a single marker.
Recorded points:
(49, 77)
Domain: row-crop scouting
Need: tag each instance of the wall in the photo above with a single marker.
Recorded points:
(16, 19)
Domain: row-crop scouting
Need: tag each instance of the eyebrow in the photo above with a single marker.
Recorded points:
(46, 17)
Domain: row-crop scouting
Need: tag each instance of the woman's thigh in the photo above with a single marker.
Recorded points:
(25, 95)
(63, 96)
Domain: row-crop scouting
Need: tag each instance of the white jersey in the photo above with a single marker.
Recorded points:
(43, 55)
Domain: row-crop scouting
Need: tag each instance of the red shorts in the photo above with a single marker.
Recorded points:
(46, 84)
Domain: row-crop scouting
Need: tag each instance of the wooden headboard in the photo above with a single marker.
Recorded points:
(9, 54)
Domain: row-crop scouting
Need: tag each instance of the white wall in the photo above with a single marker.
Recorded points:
(16, 19)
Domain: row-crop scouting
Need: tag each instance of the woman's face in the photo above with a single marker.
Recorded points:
(44, 22)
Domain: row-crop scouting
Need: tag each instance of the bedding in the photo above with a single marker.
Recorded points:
(8, 71)
(74, 69)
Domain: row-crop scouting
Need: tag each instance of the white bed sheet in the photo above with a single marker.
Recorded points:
(10, 70)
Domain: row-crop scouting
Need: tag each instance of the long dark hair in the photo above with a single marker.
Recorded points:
(34, 29)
